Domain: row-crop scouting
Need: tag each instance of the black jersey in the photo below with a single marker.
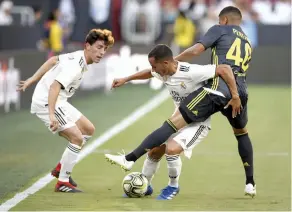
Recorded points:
(229, 46)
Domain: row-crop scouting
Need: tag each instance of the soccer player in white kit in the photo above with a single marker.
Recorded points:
(59, 77)
(180, 79)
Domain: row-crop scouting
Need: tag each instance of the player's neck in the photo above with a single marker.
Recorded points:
(234, 23)
(175, 68)
(87, 58)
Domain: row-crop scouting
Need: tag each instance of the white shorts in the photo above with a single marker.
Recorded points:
(190, 136)
(66, 114)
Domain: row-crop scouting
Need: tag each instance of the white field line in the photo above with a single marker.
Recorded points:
(198, 152)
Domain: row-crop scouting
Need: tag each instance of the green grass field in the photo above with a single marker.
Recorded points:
(212, 180)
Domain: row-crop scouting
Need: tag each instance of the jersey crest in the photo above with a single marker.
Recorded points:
(183, 85)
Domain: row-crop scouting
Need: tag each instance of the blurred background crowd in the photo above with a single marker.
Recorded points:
(33, 30)
(63, 22)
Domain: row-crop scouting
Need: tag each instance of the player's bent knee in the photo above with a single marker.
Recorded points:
(173, 148)
(78, 140)
(74, 135)
(157, 152)
(90, 129)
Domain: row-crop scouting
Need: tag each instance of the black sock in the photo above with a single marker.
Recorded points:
(246, 153)
(155, 139)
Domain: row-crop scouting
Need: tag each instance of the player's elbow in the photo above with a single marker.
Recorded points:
(197, 49)
(223, 70)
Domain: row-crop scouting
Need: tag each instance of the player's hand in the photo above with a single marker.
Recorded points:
(235, 103)
(23, 85)
(54, 123)
(118, 82)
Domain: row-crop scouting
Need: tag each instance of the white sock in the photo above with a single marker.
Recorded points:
(68, 161)
(85, 139)
(174, 165)
(150, 167)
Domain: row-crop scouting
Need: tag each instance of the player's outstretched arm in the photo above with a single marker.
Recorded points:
(225, 72)
(193, 51)
(207, 41)
(145, 74)
(50, 63)
(52, 99)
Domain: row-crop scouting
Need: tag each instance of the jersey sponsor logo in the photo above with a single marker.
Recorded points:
(184, 68)
(176, 97)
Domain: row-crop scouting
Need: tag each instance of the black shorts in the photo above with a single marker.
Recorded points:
(240, 121)
(200, 105)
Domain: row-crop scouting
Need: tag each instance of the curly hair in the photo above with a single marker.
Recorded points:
(100, 34)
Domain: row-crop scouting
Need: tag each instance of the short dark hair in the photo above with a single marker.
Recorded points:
(100, 34)
(230, 10)
(160, 51)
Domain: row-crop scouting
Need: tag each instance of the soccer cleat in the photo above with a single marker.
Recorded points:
(149, 191)
(66, 187)
(120, 160)
(56, 174)
(250, 190)
(168, 193)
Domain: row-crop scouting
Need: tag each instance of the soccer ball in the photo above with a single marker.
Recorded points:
(135, 185)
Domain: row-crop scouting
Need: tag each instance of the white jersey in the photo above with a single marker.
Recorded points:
(68, 72)
(187, 78)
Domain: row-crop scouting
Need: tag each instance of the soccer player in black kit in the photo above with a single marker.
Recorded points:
(229, 46)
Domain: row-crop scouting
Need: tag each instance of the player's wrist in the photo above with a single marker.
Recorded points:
(235, 96)
(127, 79)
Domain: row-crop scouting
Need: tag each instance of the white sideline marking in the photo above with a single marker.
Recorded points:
(116, 129)
(198, 152)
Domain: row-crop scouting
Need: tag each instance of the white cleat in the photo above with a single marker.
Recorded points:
(250, 190)
(120, 160)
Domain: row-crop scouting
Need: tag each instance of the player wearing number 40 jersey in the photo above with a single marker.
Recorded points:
(229, 46)
(58, 78)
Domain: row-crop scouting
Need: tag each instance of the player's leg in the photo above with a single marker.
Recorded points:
(152, 162)
(69, 158)
(84, 124)
(245, 148)
(159, 136)
(184, 141)
(66, 110)
(197, 107)
(155, 139)
(86, 127)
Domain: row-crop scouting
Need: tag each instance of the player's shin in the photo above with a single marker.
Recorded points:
(68, 161)
(155, 139)
(246, 153)
(174, 165)
(150, 167)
